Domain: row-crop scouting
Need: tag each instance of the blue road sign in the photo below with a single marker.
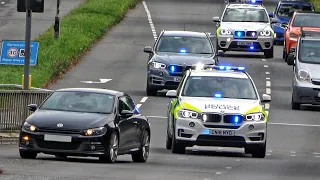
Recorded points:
(12, 53)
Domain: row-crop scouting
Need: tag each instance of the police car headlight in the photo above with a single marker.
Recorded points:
(225, 32)
(255, 117)
(188, 114)
(157, 65)
(266, 33)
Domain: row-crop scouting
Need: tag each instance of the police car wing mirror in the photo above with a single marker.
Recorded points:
(216, 19)
(266, 98)
(290, 59)
(126, 113)
(220, 53)
(271, 15)
(32, 107)
(171, 94)
(148, 49)
(273, 20)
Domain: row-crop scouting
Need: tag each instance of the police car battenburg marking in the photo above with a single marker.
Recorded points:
(222, 106)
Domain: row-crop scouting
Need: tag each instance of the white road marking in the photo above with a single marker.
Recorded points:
(302, 125)
(293, 155)
(229, 167)
(154, 33)
(268, 83)
(268, 154)
(237, 159)
(267, 72)
(269, 151)
(267, 106)
(268, 90)
(144, 99)
(97, 82)
(265, 66)
(218, 172)
(139, 105)
(263, 59)
(267, 78)
(315, 153)
(317, 156)
(292, 152)
(3, 2)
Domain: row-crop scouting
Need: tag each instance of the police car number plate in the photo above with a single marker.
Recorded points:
(219, 132)
(177, 79)
(244, 43)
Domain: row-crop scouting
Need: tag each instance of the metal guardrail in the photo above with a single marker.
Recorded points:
(13, 105)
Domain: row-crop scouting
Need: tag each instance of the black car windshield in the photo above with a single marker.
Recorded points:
(287, 10)
(226, 87)
(245, 15)
(184, 44)
(306, 20)
(309, 52)
(79, 102)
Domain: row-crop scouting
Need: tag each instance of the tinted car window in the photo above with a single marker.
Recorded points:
(79, 102)
(226, 87)
(245, 15)
(287, 10)
(180, 44)
(309, 52)
(125, 103)
(306, 20)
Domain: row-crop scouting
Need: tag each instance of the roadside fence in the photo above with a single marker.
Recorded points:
(13, 105)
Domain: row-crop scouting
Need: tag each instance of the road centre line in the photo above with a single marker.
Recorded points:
(154, 33)
(267, 78)
(268, 90)
(267, 73)
(144, 99)
(139, 105)
(265, 66)
(268, 83)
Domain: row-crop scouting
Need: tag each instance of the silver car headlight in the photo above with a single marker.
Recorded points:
(188, 114)
(255, 117)
(157, 65)
(225, 32)
(304, 75)
(265, 33)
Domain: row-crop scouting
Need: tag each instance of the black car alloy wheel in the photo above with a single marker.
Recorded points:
(143, 153)
(112, 154)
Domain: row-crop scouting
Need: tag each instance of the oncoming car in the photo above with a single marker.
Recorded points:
(245, 27)
(172, 54)
(86, 122)
(219, 106)
(283, 13)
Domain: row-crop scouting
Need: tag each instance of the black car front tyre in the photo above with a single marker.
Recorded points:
(112, 152)
(177, 147)
(27, 154)
(259, 151)
(269, 53)
(151, 91)
(143, 153)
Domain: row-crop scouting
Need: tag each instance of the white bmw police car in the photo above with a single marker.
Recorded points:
(217, 106)
(245, 27)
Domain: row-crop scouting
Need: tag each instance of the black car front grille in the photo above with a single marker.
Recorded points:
(61, 130)
(57, 145)
(213, 118)
(226, 118)
(230, 119)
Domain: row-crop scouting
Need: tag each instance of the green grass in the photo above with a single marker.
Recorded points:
(316, 4)
(78, 31)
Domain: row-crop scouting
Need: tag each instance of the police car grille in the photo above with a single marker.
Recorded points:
(214, 118)
(230, 118)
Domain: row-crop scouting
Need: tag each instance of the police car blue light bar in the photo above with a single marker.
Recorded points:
(199, 67)
(246, 1)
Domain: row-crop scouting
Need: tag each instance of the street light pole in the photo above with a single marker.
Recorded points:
(27, 45)
(57, 22)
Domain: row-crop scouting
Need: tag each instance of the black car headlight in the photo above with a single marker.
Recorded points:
(95, 131)
(255, 117)
(188, 114)
(29, 127)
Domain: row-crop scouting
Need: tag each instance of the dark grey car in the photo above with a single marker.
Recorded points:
(306, 70)
(173, 53)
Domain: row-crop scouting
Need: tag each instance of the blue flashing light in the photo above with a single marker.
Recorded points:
(172, 68)
(239, 33)
(236, 119)
(241, 68)
(253, 1)
(217, 95)
(183, 50)
(231, 68)
(251, 47)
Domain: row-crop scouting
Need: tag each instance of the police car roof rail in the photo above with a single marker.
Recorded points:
(254, 2)
(201, 67)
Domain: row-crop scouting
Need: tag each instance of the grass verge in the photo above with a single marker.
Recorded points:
(316, 4)
(80, 29)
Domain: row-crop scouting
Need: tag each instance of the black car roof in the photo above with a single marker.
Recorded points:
(91, 90)
(185, 33)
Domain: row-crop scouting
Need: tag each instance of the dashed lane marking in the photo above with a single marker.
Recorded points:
(139, 105)
(144, 99)
(268, 90)
(268, 83)
(267, 72)
(267, 106)
(265, 66)
(153, 29)
(267, 78)
(264, 60)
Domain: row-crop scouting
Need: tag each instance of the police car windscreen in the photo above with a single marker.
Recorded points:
(287, 10)
(306, 20)
(310, 52)
(221, 87)
(180, 44)
(245, 15)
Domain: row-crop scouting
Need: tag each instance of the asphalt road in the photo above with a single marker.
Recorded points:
(293, 146)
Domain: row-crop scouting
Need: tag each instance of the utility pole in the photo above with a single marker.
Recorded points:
(57, 22)
(27, 45)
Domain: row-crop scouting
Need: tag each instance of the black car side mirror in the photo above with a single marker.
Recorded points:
(290, 60)
(148, 49)
(126, 113)
(32, 107)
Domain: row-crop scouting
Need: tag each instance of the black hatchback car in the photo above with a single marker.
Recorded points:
(86, 122)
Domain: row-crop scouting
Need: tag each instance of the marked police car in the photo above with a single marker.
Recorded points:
(217, 106)
(245, 27)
